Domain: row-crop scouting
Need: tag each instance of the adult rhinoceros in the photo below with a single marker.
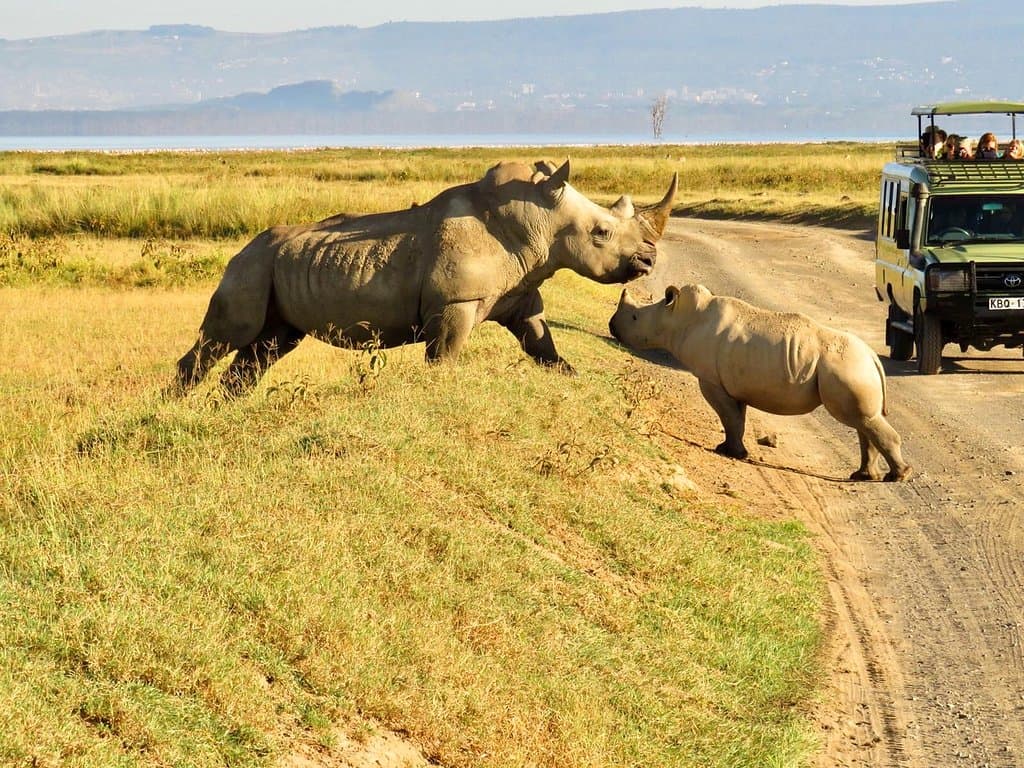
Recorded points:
(430, 273)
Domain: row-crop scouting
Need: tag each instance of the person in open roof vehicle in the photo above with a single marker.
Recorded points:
(933, 139)
(949, 238)
(988, 147)
(1014, 150)
(950, 147)
(964, 149)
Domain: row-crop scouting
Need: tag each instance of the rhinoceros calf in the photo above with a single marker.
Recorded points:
(430, 273)
(777, 362)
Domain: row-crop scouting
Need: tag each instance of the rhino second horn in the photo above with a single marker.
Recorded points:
(655, 217)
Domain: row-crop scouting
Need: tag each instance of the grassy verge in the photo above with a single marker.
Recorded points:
(483, 556)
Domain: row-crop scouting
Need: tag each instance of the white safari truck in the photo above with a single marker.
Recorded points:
(949, 251)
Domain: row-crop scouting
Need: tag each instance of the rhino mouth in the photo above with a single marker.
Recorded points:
(642, 263)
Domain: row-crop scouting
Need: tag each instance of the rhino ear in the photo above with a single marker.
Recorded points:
(545, 167)
(556, 182)
(653, 218)
(671, 294)
(623, 207)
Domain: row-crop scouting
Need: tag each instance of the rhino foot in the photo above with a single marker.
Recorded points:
(864, 475)
(899, 474)
(560, 365)
(731, 451)
(175, 390)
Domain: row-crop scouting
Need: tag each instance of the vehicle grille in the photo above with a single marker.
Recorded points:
(994, 280)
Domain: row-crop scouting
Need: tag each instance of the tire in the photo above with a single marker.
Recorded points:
(928, 339)
(901, 343)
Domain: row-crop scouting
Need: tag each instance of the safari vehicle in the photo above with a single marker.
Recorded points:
(949, 251)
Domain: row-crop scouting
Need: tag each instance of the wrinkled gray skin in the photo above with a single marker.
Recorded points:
(777, 362)
(430, 273)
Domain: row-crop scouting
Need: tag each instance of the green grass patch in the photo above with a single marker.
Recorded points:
(482, 556)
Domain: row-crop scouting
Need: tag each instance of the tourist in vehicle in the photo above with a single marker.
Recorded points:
(949, 148)
(964, 149)
(933, 140)
(1014, 150)
(988, 147)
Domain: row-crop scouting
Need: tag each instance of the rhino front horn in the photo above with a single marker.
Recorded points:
(653, 218)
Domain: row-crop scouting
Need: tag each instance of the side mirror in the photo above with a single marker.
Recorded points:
(903, 239)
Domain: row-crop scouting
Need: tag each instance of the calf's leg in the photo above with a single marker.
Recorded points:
(887, 441)
(868, 469)
(733, 415)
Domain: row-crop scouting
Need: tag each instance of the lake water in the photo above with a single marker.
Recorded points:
(396, 141)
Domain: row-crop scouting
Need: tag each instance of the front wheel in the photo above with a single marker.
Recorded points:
(928, 338)
(901, 343)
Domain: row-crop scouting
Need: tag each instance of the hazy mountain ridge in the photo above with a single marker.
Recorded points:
(779, 64)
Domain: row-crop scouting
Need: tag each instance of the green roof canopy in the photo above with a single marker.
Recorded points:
(970, 108)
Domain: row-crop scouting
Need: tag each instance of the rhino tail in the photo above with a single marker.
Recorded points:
(238, 308)
(881, 377)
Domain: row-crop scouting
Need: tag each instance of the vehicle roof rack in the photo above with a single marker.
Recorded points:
(929, 111)
(992, 174)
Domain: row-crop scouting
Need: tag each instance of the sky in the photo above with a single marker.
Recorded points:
(42, 18)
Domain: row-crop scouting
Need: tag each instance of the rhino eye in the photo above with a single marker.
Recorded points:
(601, 233)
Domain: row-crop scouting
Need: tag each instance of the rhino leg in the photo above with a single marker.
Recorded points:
(733, 415)
(197, 362)
(275, 341)
(868, 469)
(237, 312)
(885, 440)
(447, 330)
(526, 322)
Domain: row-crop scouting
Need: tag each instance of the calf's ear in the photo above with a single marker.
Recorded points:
(555, 183)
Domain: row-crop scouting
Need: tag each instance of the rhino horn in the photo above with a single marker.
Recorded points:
(623, 207)
(653, 218)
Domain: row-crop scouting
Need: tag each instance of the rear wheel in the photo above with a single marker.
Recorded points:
(901, 343)
(928, 338)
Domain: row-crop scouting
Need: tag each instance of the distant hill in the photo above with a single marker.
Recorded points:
(317, 96)
(798, 67)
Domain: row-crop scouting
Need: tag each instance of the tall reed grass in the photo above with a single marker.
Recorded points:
(228, 195)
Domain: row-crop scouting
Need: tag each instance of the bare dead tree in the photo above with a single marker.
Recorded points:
(658, 109)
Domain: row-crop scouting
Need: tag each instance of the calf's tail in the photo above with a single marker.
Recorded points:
(881, 376)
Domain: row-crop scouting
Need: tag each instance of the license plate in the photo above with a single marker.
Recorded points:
(1014, 302)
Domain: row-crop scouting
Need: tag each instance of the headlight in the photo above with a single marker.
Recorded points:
(947, 280)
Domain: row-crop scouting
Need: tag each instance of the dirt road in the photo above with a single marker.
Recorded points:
(926, 577)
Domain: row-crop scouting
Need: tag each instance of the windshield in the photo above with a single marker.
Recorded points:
(976, 218)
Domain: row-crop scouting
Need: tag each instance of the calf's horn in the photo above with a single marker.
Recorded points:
(653, 218)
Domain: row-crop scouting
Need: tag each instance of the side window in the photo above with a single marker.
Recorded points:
(883, 209)
(901, 212)
(892, 208)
